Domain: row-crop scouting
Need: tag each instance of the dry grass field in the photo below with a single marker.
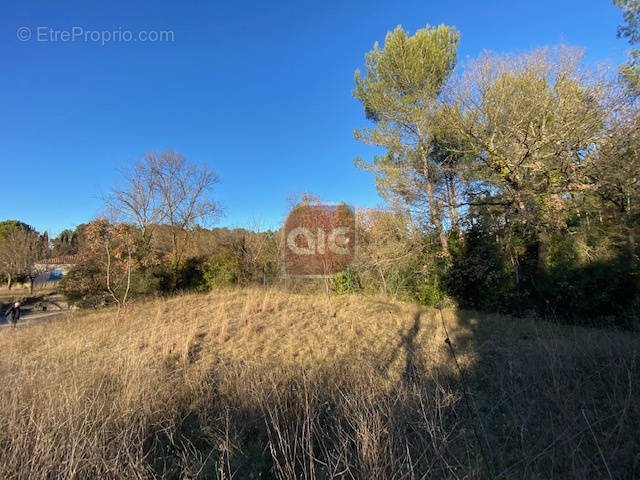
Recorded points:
(267, 384)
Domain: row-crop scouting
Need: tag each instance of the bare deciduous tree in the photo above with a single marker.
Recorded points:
(114, 245)
(136, 201)
(165, 189)
(387, 244)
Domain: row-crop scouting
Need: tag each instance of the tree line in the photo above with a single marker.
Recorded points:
(511, 184)
(520, 171)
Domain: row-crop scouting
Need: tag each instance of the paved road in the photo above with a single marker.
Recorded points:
(31, 318)
(55, 305)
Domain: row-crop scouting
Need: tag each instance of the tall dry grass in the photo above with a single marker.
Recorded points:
(266, 384)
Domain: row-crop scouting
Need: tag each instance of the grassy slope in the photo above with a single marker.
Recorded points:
(264, 384)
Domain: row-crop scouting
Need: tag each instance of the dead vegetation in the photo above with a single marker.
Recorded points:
(267, 384)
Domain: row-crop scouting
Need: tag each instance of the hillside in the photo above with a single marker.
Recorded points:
(267, 384)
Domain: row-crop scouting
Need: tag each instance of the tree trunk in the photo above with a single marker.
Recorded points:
(453, 202)
(543, 251)
(9, 281)
(384, 282)
(435, 206)
(516, 271)
(434, 214)
(631, 238)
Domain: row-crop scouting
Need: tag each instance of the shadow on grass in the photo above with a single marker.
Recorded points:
(553, 401)
(544, 401)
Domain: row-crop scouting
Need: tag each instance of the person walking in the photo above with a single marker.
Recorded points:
(13, 314)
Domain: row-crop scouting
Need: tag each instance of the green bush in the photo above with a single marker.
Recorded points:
(220, 272)
(480, 276)
(344, 282)
(83, 285)
(146, 282)
(429, 292)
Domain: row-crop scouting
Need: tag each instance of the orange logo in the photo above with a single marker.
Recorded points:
(320, 240)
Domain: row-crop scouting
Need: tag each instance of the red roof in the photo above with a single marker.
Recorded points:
(61, 260)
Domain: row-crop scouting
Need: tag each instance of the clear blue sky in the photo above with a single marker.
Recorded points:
(260, 91)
